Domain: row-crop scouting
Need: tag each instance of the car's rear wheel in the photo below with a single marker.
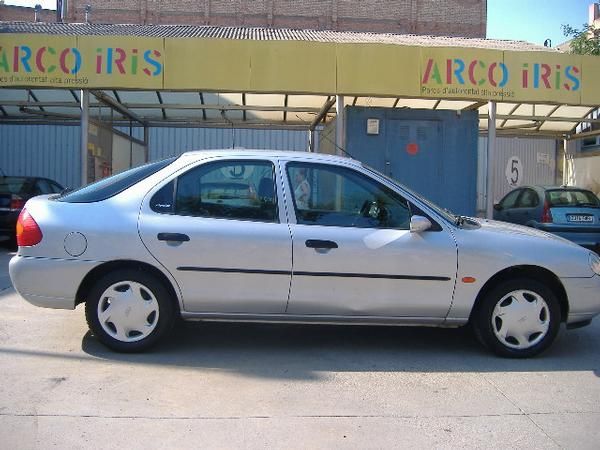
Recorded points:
(129, 310)
(518, 318)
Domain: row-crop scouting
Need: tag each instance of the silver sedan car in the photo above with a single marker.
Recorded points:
(266, 236)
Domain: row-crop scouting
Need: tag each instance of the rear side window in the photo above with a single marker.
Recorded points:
(239, 190)
(510, 200)
(14, 185)
(572, 197)
(111, 186)
(528, 199)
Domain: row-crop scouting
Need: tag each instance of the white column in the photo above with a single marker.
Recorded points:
(491, 146)
(85, 117)
(339, 124)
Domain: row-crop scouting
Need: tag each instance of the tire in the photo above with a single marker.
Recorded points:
(129, 311)
(518, 318)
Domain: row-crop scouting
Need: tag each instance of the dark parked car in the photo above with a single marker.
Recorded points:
(569, 212)
(14, 193)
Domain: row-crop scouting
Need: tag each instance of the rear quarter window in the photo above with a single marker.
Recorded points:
(111, 186)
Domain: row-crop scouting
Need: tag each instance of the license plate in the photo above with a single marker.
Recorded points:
(580, 218)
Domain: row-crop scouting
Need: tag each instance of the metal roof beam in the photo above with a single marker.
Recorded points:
(512, 110)
(244, 104)
(474, 106)
(160, 100)
(35, 99)
(584, 135)
(202, 102)
(548, 115)
(322, 113)
(542, 118)
(124, 110)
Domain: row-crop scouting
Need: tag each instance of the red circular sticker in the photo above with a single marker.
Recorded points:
(412, 148)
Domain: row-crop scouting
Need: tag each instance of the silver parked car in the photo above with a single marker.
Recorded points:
(292, 237)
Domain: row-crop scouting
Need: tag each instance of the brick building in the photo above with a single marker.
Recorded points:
(11, 13)
(465, 18)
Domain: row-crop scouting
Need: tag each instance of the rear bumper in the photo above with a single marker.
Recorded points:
(587, 237)
(48, 282)
(584, 298)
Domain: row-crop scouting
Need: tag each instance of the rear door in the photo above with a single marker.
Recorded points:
(527, 207)
(219, 230)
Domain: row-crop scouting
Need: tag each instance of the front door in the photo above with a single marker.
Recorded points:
(353, 253)
(217, 229)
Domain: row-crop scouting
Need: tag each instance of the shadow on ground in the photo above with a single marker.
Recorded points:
(301, 351)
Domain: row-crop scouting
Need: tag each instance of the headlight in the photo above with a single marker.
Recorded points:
(595, 263)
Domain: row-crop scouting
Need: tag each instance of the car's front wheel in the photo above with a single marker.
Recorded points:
(129, 310)
(518, 318)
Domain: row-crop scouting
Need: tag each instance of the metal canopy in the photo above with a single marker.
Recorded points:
(250, 110)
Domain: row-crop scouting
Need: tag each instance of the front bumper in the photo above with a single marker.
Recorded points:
(48, 282)
(584, 298)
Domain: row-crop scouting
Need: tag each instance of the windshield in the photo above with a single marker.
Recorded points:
(572, 197)
(444, 213)
(111, 186)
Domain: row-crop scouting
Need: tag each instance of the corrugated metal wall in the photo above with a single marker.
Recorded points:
(165, 142)
(537, 156)
(432, 152)
(53, 151)
(41, 150)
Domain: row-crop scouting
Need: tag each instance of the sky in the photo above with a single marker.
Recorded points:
(523, 20)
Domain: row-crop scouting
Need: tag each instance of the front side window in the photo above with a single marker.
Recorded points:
(337, 196)
(240, 190)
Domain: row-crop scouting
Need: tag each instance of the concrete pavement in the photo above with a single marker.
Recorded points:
(287, 386)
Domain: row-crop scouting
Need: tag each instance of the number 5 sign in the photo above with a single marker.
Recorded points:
(514, 171)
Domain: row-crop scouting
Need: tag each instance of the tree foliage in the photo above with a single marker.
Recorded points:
(585, 41)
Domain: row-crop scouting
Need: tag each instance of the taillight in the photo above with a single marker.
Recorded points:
(16, 203)
(546, 214)
(28, 231)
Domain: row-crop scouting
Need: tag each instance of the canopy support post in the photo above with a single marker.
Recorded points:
(339, 124)
(84, 127)
(491, 147)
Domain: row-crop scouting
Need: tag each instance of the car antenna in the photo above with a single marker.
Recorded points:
(3, 174)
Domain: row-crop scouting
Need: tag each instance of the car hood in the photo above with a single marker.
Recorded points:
(505, 228)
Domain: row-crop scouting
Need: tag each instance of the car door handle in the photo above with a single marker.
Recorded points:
(317, 243)
(173, 237)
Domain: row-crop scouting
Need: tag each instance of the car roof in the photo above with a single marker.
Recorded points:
(562, 188)
(268, 154)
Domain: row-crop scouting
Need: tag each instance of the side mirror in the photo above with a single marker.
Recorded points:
(419, 224)
(498, 207)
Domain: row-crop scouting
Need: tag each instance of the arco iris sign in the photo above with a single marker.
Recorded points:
(75, 62)
(297, 67)
(496, 75)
